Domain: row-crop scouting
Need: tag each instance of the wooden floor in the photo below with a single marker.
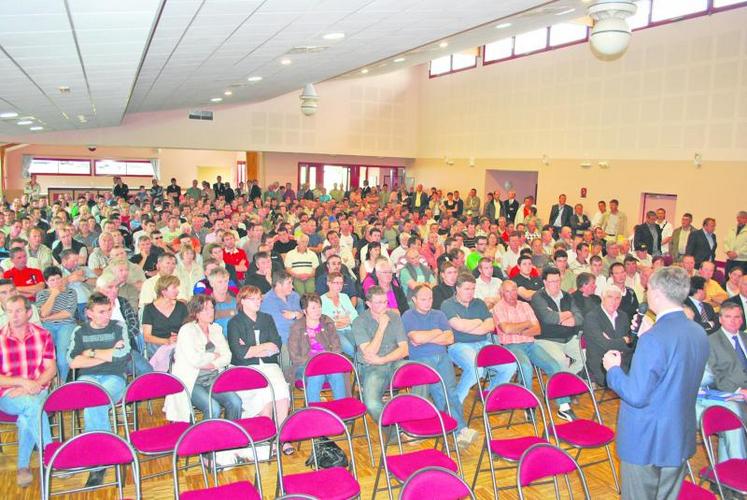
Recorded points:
(598, 476)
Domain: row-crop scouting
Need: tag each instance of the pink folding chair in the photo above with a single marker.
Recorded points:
(93, 450)
(690, 490)
(580, 433)
(211, 436)
(245, 378)
(70, 397)
(508, 397)
(732, 473)
(489, 356)
(401, 409)
(349, 409)
(544, 460)
(158, 441)
(335, 483)
(7, 426)
(435, 483)
(413, 374)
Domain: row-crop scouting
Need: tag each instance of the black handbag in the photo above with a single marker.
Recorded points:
(328, 455)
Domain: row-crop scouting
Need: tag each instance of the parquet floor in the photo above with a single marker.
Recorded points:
(598, 476)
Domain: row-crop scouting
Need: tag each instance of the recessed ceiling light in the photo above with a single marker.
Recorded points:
(227, 92)
(502, 26)
(25, 122)
(567, 11)
(35, 128)
(254, 78)
(285, 62)
(64, 89)
(334, 36)
(216, 99)
(443, 45)
(8, 114)
(364, 71)
(399, 59)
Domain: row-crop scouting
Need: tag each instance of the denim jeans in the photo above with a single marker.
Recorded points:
(141, 364)
(463, 354)
(28, 411)
(347, 343)
(314, 385)
(62, 333)
(97, 419)
(567, 355)
(530, 353)
(229, 401)
(376, 379)
(442, 364)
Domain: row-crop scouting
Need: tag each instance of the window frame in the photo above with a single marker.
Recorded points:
(451, 65)
(95, 172)
(52, 158)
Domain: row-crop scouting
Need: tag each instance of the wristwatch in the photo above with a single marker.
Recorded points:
(92, 353)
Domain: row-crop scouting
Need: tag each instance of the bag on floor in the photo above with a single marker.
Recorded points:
(328, 455)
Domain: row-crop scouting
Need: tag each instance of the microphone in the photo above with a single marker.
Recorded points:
(638, 319)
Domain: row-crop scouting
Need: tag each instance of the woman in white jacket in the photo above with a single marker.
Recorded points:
(201, 353)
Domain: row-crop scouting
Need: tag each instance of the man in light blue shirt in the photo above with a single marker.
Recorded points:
(284, 305)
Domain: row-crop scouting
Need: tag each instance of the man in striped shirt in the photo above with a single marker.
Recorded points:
(27, 366)
(58, 304)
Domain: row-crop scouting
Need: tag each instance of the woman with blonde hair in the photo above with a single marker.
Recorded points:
(163, 318)
(188, 270)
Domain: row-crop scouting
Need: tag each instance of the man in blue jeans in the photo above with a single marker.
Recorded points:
(472, 324)
(58, 304)
(429, 335)
(99, 351)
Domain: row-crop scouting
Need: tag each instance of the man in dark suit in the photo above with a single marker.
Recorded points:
(418, 201)
(702, 312)
(606, 328)
(656, 424)
(511, 207)
(702, 243)
(678, 243)
(494, 207)
(629, 302)
(218, 187)
(649, 234)
(740, 299)
(560, 214)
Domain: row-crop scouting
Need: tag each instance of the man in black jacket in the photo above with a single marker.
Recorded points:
(629, 302)
(607, 328)
(702, 243)
(702, 312)
(560, 214)
(649, 234)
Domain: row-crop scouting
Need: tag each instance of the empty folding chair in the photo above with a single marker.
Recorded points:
(349, 409)
(728, 474)
(508, 397)
(489, 356)
(90, 451)
(435, 483)
(580, 433)
(209, 437)
(335, 483)
(413, 374)
(160, 440)
(401, 409)
(297, 496)
(690, 490)
(547, 461)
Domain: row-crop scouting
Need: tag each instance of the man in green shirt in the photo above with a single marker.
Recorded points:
(194, 192)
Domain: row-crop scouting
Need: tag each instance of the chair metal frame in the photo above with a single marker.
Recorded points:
(580, 471)
(486, 379)
(711, 454)
(442, 471)
(11, 420)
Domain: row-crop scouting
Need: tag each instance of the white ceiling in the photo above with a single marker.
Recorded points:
(126, 56)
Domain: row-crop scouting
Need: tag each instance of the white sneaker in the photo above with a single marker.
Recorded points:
(465, 437)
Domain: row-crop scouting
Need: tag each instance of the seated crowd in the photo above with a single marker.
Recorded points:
(103, 287)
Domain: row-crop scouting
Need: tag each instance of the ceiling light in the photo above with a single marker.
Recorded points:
(64, 89)
(227, 92)
(8, 114)
(567, 11)
(443, 45)
(399, 59)
(502, 26)
(364, 71)
(254, 78)
(285, 62)
(334, 36)
(25, 122)
(35, 128)
(216, 99)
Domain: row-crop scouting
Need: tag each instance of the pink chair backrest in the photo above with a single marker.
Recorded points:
(717, 419)
(326, 363)
(434, 483)
(412, 374)
(4, 417)
(405, 408)
(93, 449)
(510, 397)
(582, 342)
(152, 385)
(544, 460)
(564, 384)
(239, 378)
(76, 396)
(308, 423)
(492, 355)
(211, 435)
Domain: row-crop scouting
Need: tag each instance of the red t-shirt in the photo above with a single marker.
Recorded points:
(234, 259)
(28, 276)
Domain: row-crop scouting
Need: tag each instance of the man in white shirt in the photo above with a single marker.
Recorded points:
(666, 229)
(487, 287)
(400, 251)
(511, 255)
(596, 267)
(600, 217)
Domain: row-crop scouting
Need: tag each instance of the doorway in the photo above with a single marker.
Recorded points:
(523, 182)
(655, 201)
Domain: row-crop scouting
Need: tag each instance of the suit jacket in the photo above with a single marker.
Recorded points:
(565, 217)
(711, 324)
(580, 223)
(674, 244)
(510, 209)
(698, 247)
(490, 210)
(727, 370)
(738, 301)
(423, 202)
(596, 325)
(656, 424)
(642, 234)
(548, 316)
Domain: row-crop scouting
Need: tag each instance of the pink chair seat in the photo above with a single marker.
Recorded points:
(10, 419)
(429, 426)
(405, 465)
(241, 489)
(732, 473)
(49, 451)
(336, 483)
(691, 491)
(299, 385)
(158, 439)
(259, 428)
(585, 433)
(345, 408)
(513, 448)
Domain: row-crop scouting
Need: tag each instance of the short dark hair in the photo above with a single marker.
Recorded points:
(522, 258)
(629, 258)
(559, 254)
(697, 283)
(584, 278)
(614, 265)
(548, 271)
(309, 298)
(97, 299)
(465, 278)
(51, 271)
(280, 276)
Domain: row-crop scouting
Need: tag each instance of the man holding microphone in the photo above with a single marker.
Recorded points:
(656, 424)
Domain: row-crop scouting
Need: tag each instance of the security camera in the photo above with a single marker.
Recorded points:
(610, 35)
(91, 148)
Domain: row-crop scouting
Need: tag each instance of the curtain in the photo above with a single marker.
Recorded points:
(26, 166)
(156, 170)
